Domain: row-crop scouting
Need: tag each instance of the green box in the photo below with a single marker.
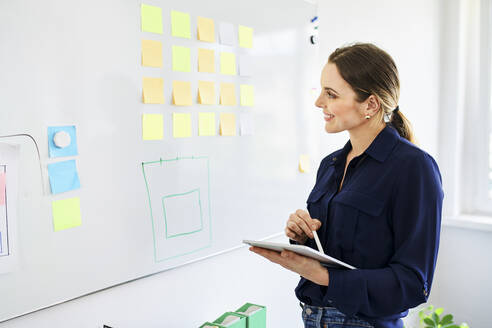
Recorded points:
(211, 324)
(239, 324)
(257, 319)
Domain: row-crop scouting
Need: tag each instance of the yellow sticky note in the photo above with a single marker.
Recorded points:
(181, 59)
(66, 213)
(181, 125)
(227, 63)
(152, 127)
(245, 37)
(151, 19)
(151, 53)
(206, 62)
(304, 163)
(227, 94)
(206, 124)
(206, 93)
(153, 90)
(227, 124)
(206, 29)
(180, 24)
(247, 95)
(181, 93)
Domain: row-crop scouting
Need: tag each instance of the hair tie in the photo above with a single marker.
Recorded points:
(396, 109)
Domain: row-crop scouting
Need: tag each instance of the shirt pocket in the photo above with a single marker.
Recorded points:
(314, 206)
(354, 209)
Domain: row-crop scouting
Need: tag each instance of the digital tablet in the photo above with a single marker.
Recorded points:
(324, 259)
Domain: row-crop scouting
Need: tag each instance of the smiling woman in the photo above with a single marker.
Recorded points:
(376, 203)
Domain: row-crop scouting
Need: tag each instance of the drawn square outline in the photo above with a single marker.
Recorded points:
(165, 216)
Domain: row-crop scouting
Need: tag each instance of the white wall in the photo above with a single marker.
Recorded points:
(462, 284)
(187, 296)
(409, 32)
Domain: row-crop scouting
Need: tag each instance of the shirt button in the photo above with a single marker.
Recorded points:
(334, 159)
(309, 311)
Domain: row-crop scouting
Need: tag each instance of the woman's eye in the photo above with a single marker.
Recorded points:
(330, 95)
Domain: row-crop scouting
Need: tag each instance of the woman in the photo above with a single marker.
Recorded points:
(376, 203)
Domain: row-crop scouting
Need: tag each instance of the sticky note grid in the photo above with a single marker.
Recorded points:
(203, 64)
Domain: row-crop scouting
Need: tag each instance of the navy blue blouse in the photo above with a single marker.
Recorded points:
(385, 221)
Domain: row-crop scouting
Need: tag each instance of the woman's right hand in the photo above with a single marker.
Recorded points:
(300, 226)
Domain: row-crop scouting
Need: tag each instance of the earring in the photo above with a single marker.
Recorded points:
(368, 117)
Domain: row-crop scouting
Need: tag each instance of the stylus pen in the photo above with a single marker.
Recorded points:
(318, 243)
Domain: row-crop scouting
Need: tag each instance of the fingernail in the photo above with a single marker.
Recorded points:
(314, 226)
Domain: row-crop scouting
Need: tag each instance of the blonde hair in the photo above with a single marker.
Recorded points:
(370, 70)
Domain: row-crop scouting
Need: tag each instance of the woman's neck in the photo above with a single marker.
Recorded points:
(362, 136)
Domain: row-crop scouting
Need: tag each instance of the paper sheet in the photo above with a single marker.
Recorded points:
(181, 125)
(206, 124)
(228, 94)
(247, 95)
(206, 61)
(63, 176)
(205, 29)
(152, 127)
(66, 213)
(245, 36)
(181, 59)
(153, 90)
(151, 19)
(151, 53)
(9, 183)
(226, 34)
(227, 63)
(206, 93)
(181, 93)
(180, 24)
(227, 124)
(2, 186)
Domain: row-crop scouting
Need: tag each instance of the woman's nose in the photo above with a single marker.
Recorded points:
(319, 102)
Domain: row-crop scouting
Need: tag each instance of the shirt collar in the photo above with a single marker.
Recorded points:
(379, 149)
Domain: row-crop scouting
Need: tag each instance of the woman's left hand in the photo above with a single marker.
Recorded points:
(307, 267)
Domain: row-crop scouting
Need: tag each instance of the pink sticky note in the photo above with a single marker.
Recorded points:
(2, 188)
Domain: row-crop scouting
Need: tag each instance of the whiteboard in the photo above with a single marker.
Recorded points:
(79, 63)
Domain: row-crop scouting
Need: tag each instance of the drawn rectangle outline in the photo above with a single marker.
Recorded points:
(165, 216)
(161, 161)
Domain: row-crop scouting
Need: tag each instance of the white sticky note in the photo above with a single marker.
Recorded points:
(247, 124)
(246, 66)
(226, 33)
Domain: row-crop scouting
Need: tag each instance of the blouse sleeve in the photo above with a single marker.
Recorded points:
(415, 217)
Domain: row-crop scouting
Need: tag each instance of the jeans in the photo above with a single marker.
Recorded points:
(329, 317)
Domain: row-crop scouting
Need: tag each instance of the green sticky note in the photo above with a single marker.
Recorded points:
(151, 19)
(180, 24)
(181, 125)
(206, 124)
(227, 63)
(66, 213)
(181, 59)
(152, 127)
(247, 95)
(245, 37)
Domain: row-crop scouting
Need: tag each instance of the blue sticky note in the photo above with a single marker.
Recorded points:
(70, 150)
(63, 176)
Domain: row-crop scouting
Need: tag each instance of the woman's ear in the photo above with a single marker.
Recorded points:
(373, 105)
